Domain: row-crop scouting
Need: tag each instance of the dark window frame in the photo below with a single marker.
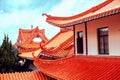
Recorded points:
(80, 48)
(103, 41)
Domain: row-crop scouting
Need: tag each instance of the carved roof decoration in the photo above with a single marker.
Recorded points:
(25, 41)
(26, 44)
(27, 35)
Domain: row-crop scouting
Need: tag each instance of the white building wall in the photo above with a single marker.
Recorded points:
(113, 24)
(78, 28)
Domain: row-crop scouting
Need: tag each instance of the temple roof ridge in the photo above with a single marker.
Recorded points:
(107, 8)
(93, 9)
(26, 41)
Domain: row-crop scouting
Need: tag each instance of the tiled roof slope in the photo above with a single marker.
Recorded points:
(25, 41)
(34, 75)
(28, 55)
(27, 35)
(26, 44)
(60, 44)
(107, 8)
(81, 68)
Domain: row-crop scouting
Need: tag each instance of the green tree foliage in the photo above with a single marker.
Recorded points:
(8, 56)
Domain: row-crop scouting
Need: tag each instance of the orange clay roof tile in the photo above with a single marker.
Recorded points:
(59, 44)
(31, 45)
(26, 36)
(59, 38)
(28, 55)
(107, 8)
(34, 75)
(64, 37)
(25, 43)
(81, 68)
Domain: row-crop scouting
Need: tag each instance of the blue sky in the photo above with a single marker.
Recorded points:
(15, 14)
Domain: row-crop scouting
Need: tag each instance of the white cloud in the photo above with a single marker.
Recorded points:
(11, 22)
(63, 9)
(50, 30)
(69, 8)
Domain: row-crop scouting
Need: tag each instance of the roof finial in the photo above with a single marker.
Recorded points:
(44, 14)
(31, 26)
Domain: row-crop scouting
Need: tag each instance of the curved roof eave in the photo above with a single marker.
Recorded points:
(88, 15)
